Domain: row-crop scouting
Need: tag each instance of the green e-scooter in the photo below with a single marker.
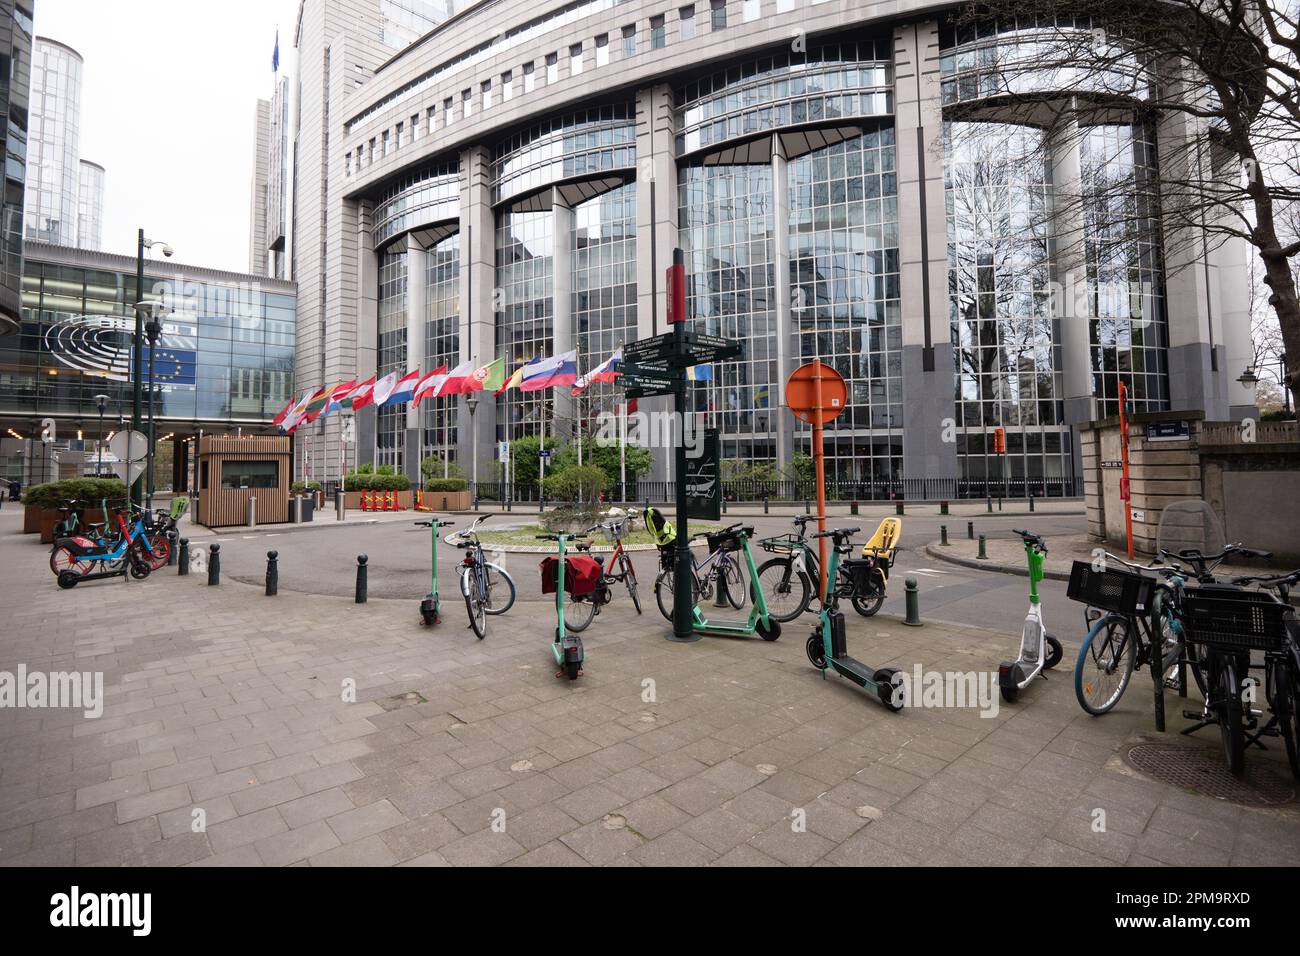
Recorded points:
(1039, 651)
(431, 605)
(760, 622)
(567, 646)
(826, 645)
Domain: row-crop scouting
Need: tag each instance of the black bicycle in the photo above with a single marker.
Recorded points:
(792, 578)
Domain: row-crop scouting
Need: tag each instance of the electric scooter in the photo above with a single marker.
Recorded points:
(760, 622)
(1039, 650)
(567, 646)
(431, 605)
(129, 552)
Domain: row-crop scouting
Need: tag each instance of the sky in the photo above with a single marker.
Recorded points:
(169, 92)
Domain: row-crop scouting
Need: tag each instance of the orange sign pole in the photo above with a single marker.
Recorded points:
(819, 460)
(816, 394)
(1125, 489)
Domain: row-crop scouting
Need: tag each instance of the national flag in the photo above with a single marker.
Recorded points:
(491, 376)
(606, 371)
(699, 373)
(275, 54)
(403, 390)
(284, 411)
(516, 378)
(295, 416)
(384, 388)
(457, 381)
(558, 370)
(362, 395)
(315, 405)
(429, 384)
(762, 397)
(337, 396)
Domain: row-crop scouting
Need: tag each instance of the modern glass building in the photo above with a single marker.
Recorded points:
(15, 84)
(512, 183)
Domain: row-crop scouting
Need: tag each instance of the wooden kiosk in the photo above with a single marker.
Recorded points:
(234, 469)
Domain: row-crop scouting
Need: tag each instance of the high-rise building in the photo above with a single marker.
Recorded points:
(55, 207)
(16, 49)
(512, 182)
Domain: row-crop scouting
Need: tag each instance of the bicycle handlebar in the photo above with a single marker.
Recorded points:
(1269, 581)
(837, 533)
(1030, 538)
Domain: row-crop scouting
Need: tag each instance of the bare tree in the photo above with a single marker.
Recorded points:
(1223, 75)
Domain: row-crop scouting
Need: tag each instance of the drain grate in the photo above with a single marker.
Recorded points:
(1206, 773)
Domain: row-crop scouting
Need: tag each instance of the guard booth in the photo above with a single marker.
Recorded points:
(232, 470)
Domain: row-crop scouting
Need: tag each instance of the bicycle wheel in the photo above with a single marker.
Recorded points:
(1228, 709)
(62, 559)
(500, 588)
(1281, 686)
(161, 554)
(787, 593)
(1105, 664)
(868, 604)
(729, 571)
(664, 593)
(578, 612)
(475, 602)
(629, 579)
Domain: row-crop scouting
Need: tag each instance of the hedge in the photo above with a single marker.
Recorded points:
(446, 484)
(53, 494)
(304, 485)
(377, 483)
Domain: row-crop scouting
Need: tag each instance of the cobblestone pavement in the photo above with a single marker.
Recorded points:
(464, 752)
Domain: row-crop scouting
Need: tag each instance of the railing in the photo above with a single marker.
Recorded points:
(787, 490)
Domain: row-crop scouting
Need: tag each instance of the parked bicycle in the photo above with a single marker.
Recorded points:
(129, 550)
(720, 568)
(585, 605)
(487, 587)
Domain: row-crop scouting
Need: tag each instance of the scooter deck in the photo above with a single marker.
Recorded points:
(854, 670)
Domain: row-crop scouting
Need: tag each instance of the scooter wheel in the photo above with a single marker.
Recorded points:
(816, 651)
(68, 579)
(428, 618)
(1010, 693)
(1054, 652)
(571, 669)
(889, 693)
(140, 570)
(771, 632)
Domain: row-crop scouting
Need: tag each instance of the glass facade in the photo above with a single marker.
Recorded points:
(526, 323)
(391, 422)
(441, 342)
(54, 144)
(225, 354)
(569, 147)
(1005, 349)
(418, 199)
(90, 206)
(603, 258)
(15, 85)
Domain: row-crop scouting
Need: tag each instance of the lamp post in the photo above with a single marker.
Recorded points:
(100, 401)
(472, 402)
(137, 395)
(152, 328)
(1250, 378)
(147, 314)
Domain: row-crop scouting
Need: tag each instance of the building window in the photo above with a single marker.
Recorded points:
(401, 128)
(385, 139)
(602, 49)
(530, 78)
(249, 474)
(784, 6)
(507, 86)
(718, 14)
(430, 119)
(575, 59)
(348, 165)
(415, 127)
(448, 111)
(467, 103)
(657, 37)
(629, 42)
(486, 87)
(370, 154)
(552, 68)
(687, 17)
(751, 10)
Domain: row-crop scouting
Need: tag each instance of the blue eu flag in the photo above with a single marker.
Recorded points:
(275, 55)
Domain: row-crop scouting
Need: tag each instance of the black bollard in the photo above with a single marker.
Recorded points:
(853, 507)
(943, 535)
(214, 564)
(970, 530)
(983, 555)
(171, 547)
(1031, 504)
(724, 504)
(765, 505)
(272, 573)
(361, 578)
(183, 566)
(990, 505)
(943, 507)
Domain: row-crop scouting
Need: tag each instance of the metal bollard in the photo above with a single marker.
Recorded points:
(912, 601)
(766, 507)
(807, 507)
(250, 518)
(970, 530)
(340, 506)
(983, 556)
(720, 599)
(943, 535)
(724, 504)
(943, 507)
(183, 565)
(272, 573)
(476, 502)
(171, 547)
(990, 505)
(853, 507)
(361, 578)
(999, 504)
(1031, 504)
(541, 504)
(898, 508)
(214, 564)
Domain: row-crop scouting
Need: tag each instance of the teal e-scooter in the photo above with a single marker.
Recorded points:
(567, 646)
(431, 604)
(760, 622)
(1039, 651)
(826, 646)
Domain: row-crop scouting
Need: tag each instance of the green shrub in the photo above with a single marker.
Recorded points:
(314, 485)
(377, 482)
(446, 484)
(524, 460)
(576, 483)
(366, 469)
(432, 470)
(53, 494)
(386, 470)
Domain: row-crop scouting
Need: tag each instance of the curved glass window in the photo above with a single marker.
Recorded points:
(1031, 55)
(827, 84)
(391, 421)
(1121, 217)
(526, 321)
(728, 232)
(603, 250)
(441, 342)
(580, 144)
(845, 300)
(418, 199)
(999, 198)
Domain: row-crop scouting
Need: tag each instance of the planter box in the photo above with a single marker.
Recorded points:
(48, 519)
(31, 519)
(447, 500)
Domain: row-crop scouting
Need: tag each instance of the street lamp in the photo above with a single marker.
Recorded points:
(1250, 378)
(149, 311)
(137, 397)
(472, 402)
(101, 401)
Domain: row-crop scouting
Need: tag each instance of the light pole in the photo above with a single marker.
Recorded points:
(152, 328)
(147, 313)
(100, 401)
(137, 395)
(472, 402)
(1250, 378)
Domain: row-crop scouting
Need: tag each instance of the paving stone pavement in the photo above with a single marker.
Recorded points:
(460, 752)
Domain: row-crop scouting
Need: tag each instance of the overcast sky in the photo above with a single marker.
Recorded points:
(168, 96)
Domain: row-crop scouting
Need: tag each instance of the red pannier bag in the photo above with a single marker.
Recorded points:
(581, 575)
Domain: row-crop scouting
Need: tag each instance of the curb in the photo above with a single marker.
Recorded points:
(936, 551)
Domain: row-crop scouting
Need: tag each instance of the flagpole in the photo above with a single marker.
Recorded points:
(622, 449)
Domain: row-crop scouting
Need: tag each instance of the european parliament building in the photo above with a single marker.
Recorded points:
(849, 181)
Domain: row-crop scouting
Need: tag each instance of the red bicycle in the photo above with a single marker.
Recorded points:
(580, 609)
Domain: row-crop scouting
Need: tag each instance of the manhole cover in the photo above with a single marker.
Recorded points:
(1205, 772)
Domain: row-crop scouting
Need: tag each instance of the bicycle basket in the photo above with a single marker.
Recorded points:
(1247, 620)
(780, 544)
(728, 541)
(581, 574)
(615, 529)
(1122, 591)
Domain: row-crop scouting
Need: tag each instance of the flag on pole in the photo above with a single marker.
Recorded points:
(275, 54)
(284, 412)
(516, 378)
(457, 380)
(403, 390)
(465, 378)
(699, 373)
(491, 376)
(429, 384)
(384, 388)
(606, 371)
(362, 395)
(558, 370)
(337, 395)
(295, 416)
(315, 405)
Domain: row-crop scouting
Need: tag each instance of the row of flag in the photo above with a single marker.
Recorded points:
(556, 371)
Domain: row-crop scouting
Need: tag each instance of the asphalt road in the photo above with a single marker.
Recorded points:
(323, 561)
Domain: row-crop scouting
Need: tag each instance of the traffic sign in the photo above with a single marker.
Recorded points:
(503, 451)
(816, 393)
(128, 471)
(130, 446)
(657, 346)
(543, 453)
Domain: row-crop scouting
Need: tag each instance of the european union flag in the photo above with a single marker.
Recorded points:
(172, 367)
(275, 54)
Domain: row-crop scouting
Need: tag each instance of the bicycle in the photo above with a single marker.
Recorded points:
(129, 552)
(719, 567)
(482, 583)
(1228, 624)
(583, 607)
(70, 526)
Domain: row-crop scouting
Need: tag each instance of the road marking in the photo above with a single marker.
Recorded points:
(928, 571)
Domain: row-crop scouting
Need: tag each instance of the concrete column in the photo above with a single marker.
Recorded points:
(563, 334)
(929, 450)
(367, 327)
(786, 350)
(656, 204)
(478, 300)
(416, 310)
(1232, 261)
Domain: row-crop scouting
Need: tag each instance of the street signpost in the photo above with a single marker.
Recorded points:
(703, 478)
(816, 394)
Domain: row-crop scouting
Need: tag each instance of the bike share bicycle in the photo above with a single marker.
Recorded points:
(1039, 650)
(826, 647)
(487, 587)
(130, 551)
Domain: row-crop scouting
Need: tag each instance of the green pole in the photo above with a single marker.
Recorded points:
(137, 365)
